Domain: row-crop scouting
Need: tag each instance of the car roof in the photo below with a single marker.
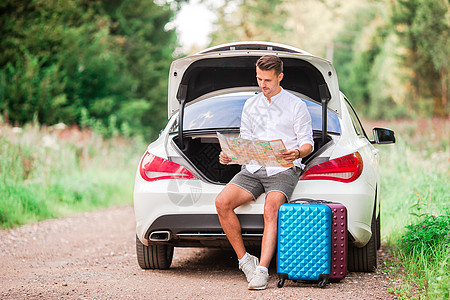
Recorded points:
(232, 66)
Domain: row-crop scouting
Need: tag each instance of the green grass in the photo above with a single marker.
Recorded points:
(47, 173)
(416, 208)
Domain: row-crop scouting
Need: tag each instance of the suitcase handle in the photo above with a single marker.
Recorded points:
(309, 201)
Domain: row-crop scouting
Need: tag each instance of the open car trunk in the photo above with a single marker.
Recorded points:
(230, 67)
(202, 152)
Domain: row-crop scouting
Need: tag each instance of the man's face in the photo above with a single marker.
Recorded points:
(268, 82)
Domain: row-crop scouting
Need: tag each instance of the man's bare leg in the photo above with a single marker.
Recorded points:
(260, 278)
(273, 201)
(231, 197)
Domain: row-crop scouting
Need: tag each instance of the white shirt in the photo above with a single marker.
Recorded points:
(285, 117)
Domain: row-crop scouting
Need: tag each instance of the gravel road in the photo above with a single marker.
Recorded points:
(92, 256)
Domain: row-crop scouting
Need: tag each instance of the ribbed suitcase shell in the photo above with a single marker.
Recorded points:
(338, 237)
(338, 241)
(304, 242)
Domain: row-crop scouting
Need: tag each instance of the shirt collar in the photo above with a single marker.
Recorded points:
(274, 98)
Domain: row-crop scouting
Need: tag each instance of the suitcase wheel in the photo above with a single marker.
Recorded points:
(280, 283)
(323, 283)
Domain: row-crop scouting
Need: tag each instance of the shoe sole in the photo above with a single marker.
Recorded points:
(258, 288)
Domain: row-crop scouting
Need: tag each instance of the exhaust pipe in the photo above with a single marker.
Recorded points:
(160, 236)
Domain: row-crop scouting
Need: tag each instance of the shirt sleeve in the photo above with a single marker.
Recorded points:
(303, 126)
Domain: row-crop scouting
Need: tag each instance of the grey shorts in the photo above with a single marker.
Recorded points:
(258, 182)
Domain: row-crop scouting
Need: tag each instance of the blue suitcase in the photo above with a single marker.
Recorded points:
(304, 243)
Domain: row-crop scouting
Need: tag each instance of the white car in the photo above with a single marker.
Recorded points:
(179, 175)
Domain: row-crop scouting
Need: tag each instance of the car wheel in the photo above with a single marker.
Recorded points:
(364, 259)
(378, 232)
(154, 256)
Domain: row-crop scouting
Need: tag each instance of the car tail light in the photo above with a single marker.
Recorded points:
(156, 168)
(344, 169)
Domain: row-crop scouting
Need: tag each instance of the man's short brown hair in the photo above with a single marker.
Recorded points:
(270, 62)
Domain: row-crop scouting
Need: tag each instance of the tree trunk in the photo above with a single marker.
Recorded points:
(444, 91)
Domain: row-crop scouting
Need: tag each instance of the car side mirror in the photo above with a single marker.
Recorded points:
(383, 136)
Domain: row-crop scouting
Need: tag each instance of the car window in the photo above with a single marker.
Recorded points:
(355, 120)
(216, 112)
(225, 112)
(315, 110)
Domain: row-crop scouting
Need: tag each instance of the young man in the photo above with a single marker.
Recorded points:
(272, 114)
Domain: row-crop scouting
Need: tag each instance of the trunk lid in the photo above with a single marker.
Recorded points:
(232, 66)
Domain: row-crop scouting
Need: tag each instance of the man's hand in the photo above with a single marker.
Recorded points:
(290, 155)
(224, 159)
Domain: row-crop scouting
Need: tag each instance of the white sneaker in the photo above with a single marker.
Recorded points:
(260, 280)
(248, 266)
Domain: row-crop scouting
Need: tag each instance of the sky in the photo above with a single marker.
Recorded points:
(194, 24)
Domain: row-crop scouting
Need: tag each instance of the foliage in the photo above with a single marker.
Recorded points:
(51, 171)
(106, 59)
(252, 20)
(425, 254)
(356, 56)
(392, 57)
(414, 189)
(426, 232)
(309, 24)
(424, 30)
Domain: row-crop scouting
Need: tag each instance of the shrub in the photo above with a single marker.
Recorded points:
(427, 233)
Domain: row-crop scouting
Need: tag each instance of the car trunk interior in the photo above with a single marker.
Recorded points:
(211, 74)
(203, 153)
(208, 75)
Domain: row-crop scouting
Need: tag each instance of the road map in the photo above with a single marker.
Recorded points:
(247, 152)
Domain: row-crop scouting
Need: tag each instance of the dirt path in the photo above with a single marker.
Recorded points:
(92, 256)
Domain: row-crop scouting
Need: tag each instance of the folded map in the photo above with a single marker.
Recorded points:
(247, 152)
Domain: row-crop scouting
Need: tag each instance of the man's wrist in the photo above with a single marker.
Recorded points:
(298, 150)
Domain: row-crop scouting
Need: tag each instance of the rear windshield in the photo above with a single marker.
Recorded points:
(225, 112)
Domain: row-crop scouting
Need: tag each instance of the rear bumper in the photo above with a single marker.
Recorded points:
(202, 230)
(184, 210)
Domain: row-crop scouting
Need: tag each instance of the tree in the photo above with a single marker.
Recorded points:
(311, 25)
(148, 49)
(424, 30)
(251, 20)
(365, 59)
(88, 62)
(392, 57)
